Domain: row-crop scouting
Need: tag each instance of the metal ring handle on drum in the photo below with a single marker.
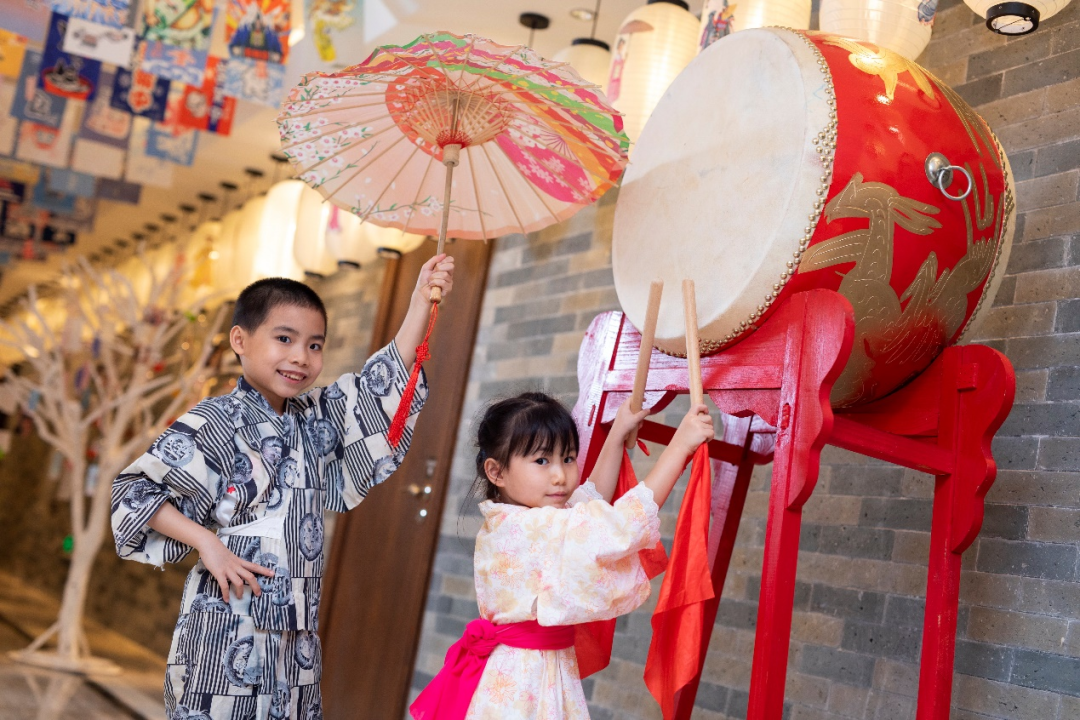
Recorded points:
(940, 174)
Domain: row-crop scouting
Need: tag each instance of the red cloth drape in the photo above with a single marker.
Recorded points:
(678, 621)
(593, 641)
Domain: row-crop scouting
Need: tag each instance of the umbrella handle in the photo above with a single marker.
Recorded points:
(648, 335)
(451, 158)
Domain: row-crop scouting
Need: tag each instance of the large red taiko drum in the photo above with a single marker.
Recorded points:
(781, 161)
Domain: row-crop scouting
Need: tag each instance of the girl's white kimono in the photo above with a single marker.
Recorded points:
(558, 566)
(261, 481)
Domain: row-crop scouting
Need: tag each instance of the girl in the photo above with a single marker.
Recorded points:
(551, 554)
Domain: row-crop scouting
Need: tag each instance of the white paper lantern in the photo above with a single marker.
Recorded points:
(222, 270)
(654, 44)
(309, 244)
(902, 26)
(720, 18)
(274, 254)
(246, 244)
(591, 58)
(391, 242)
(346, 238)
(1015, 18)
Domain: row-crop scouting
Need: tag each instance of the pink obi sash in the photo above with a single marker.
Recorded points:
(448, 695)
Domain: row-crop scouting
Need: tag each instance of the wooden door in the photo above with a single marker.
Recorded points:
(382, 551)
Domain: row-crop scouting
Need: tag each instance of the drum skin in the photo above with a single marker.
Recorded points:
(919, 269)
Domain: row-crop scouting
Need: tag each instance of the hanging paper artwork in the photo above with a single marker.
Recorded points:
(113, 13)
(176, 36)
(81, 219)
(102, 122)
(141, 168)
(12, 50)
(29, 18)
(99, 42)
(45, 198)
(718, 16)
(334, 21)
(206, 107)
(30, 104)
(20, 221)
(63, 74)
(98, 159)
(9, 126)
(46, 145)
(72, 183)
(12, 190)
(26, 173)
(119, 191)
(258, 29)
(140, 93)
(169, 140)
(255, 80)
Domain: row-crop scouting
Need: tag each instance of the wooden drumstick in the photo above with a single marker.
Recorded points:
(648, 335)
(693, 351)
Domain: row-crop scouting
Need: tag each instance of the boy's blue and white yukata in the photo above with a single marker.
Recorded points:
(261, 481)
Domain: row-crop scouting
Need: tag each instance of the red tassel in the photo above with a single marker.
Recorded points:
(423, 353)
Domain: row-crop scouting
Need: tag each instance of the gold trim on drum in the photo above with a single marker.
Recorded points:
(825, 145)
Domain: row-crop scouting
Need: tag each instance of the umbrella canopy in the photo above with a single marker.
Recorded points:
(536, 142)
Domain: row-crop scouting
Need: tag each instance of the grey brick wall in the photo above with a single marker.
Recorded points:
(862, 571)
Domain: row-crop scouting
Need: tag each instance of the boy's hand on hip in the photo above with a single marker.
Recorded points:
(228, 569)
(436, 272)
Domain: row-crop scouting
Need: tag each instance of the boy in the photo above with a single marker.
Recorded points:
(244, 479)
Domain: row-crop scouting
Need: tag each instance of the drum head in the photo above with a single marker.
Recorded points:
(722, 183)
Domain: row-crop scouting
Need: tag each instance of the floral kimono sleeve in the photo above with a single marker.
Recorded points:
(353, 420)
(184, 466)
(594, 572)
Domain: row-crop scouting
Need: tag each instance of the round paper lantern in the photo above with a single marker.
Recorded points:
(277, 229)
(1015, 18)
(591, 58)
(246, 244)
(346, 238)
(202, 252)
(720, 18)
(391, 242)
(902, 26)
(222, 269)
(654, 44)
(309, 244)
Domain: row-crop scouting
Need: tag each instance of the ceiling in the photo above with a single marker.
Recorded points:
(254, 133)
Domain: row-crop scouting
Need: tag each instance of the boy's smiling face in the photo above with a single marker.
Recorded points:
(282, 357)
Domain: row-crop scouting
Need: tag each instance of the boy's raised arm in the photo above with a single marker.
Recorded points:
(436, 272)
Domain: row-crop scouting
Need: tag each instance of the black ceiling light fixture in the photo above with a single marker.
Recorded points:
(1012, 18)
(534, 21)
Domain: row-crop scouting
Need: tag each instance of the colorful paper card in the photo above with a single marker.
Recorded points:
(168, 141)
(63, 74)
(103, 123)
(258, 29)
(70, 182)
(45, 145)
(206, 107)
(20, 221)
(255, 80)
(141, 168)
(333, 25)
(119, 191)
(176, 36)
(99, 42)
(9, 126)
(30, 104)
(113, 13)
(26, 173)
(26, 17)
(45, 198)
(140, 93)
(98, 159)
(12, 50)
(12, 191)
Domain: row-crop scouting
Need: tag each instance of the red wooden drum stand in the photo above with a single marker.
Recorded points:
(777, 384)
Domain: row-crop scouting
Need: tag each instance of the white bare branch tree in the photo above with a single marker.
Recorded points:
(121, 365)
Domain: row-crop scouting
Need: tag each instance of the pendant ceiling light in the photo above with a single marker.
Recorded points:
(309, 243)
(902, 26)
(346, 238)
(589, 56)
(1015, 18)
(654, 44)
(720, 18)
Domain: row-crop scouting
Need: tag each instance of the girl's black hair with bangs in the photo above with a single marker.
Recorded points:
(520, 426)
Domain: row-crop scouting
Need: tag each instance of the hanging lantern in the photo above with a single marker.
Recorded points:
(902, 26)
(1015, 18)
(346, 238)
(309, 243)
(202, 252)
(590, 57)
(654, 44)
(222, 269)
(391, 242)
(720, 18)
(246, 245)
(277, 230)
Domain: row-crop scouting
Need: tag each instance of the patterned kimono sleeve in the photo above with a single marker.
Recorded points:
(594, 572)
(185, 466)
(355, 414)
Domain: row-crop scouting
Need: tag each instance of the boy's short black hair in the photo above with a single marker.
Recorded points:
(260, 297)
